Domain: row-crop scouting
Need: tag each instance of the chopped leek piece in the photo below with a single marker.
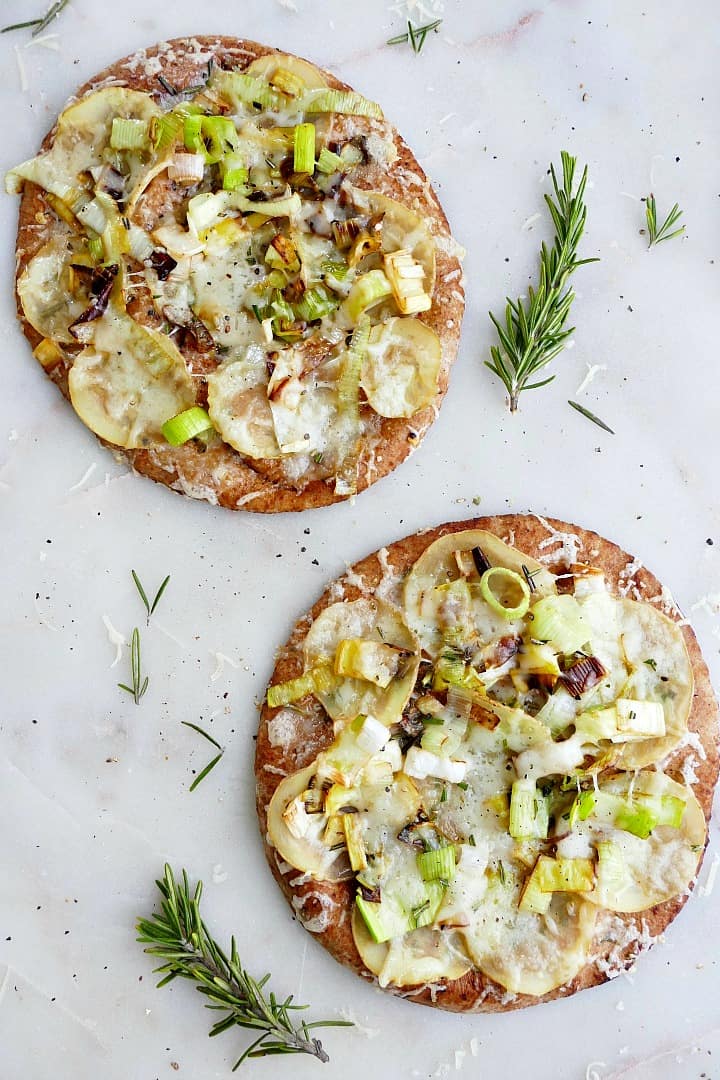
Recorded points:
(506, 592)
(340, 799)
(192, 134)
(168, 130)
(234, 171)
(95, 247)
(631, 816)
(349, 382)
(334, 835)
(287, 82)
(528, 812)
(316, 679)
(304, 148)
(538, 659)
(443, 739)
(532, 897)
(643, 718)
(186, 425)
(406, 277)
(582, 807)
(219, 137)
(287, 205)
(668, 809)
(421, 764)
(597, 724)
(369, 289)
(315, 303)
(385, 920)
(559, 621)
(369, 660)
(612, 871)
(337, 270)
(355, 842)
(339, 101)
(438, 865)
(372, 735)
(564, 875)
(128, 134)
(49, 354)
(328, 162)
(187, 168)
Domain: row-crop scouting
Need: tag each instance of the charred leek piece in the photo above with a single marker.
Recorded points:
(318, 678)
(179, 938)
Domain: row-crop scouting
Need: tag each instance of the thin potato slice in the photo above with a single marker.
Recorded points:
(241, 415)
(129, 382)
(423, 956)
(373, 620)
(401, 367)
(307, 853)
(524, 952)
(656, 868)
(42, 287)
(266, 66)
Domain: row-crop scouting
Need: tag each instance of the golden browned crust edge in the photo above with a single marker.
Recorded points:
(221, 475)
(625, 935)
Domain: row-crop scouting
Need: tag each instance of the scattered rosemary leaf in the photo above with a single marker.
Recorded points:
(211, 764)
(139, 685)
(415, 35)
(208, 769)
(657, 235)
(180, 939)
(149, 608)
(40, 23)
(590, 416)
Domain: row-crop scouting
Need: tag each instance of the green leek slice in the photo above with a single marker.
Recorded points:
(437, 865)
(304, 148)
(187, 425)
(559, 621)
(506, 591)
(312, 682)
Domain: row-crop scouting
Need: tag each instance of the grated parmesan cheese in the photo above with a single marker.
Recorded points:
(115, 638)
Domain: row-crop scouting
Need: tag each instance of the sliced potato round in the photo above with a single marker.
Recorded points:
(373, 620)
(129, 383)
(660, 867)
(221, 299)
(241, 415)
(437, 566)
(83, 132)
(307, 853)
(524, 952)
(266, 66)
(401, 367)
(42, 287)
(423, 956)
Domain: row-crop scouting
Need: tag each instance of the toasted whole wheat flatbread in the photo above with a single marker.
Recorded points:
(619, 938)
(220, 474)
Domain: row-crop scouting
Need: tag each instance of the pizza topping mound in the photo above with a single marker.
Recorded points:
(496, 779)
(216, 250)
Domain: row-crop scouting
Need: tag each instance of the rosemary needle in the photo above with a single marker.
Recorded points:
(179, 938)
(139, 685)
(657, 235)
(149, 608)
(590, 416)
(211, 764)
(40, 23)
(415, 35)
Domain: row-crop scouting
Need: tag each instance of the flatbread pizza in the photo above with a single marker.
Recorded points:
(236, 271)
(485, 764)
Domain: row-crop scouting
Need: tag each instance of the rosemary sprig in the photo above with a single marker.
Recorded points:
(415, 35)
(40, 23)
(590, 416)
(182, 942)
(534, 332)
(657, 235)
(139, 685)
(211, 764)
(149, 608)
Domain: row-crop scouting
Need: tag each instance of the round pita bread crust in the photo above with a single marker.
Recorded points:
(221, 475)
(619, 938)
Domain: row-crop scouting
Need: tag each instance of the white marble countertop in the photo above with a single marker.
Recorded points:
(94, 790)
